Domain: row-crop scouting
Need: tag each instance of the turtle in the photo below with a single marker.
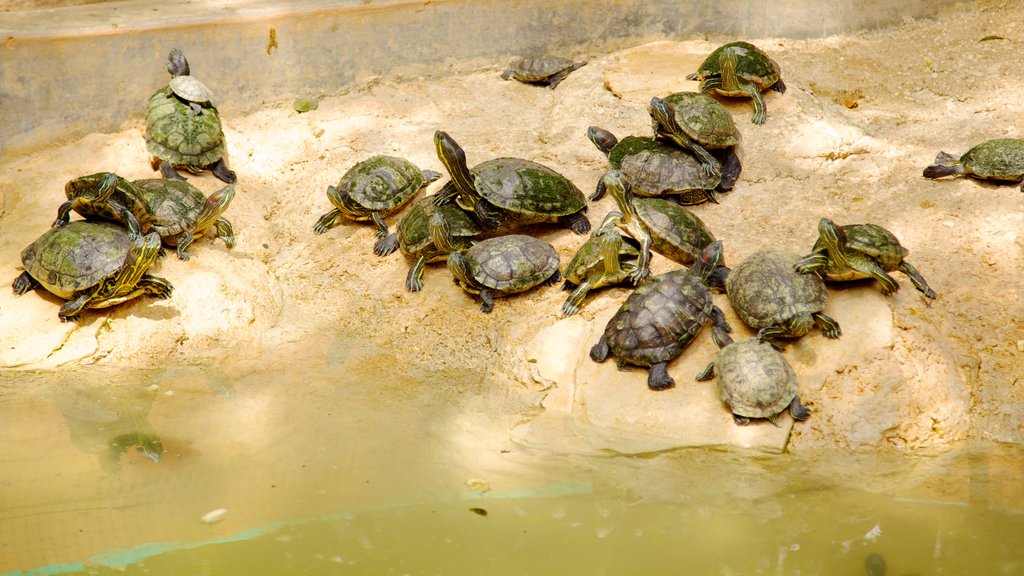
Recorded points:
(1000, 159)
(755, 381)
(856, 251)
(374, 189)
(606, 258)
(428, 233)
(740, 69)
(698, 123)
(660, 319)
(180, 212)
(92, 264)
(510, 191)
(773, 298)
(504, 265)
(657, 169)
(657, 224)
(103, 196)
(546, 70)
(183, 128)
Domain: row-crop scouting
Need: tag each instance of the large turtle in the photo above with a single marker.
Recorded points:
(373, 190)
(657, 224)
(511, 191)
(183, 127)
(657, 169)
(1001, 159)
(504, 265)
(660, 319)
(698, 123)
(546, 70)
(92, 265)
(773, 298)
(740, 69)
(755, 381)
(428, 233)
(856, 251)
(606, 258)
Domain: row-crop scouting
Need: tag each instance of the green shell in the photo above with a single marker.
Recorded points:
(178, 135)
(511, 263)
(676, 232)
(382, 183)
(413, 229)
(1001, 159)
(590, 257)
(657, 169)
(703, 119)
(659, 319)
(71, 258)
(752, 64)
(754, 379)
(533, 191)
(765, 290)
(874, 241)
(173, 205)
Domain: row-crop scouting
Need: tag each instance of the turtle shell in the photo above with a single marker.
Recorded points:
(382, 183)
(527, 188)
(173, 205)
(511, 263)
(659, 319)
(413, 229)
(190, 89)
(1000, 159)
(657, 169)
(676, 232)
(754, 379)
(765, 290)
(703, 119)
(71, 258)
(874, 241)
(752, 64)
(176, 134)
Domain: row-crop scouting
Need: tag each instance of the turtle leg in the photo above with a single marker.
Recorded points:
(779, 86)
(798, 410)
(770, 335)
(710, 83)
(386, 245)
(488, 301)
(572, 303)
(760, 110)
(692, 76)
(916, 279)
(557, 78)
(446, 194)
(414, 279)
(24, 283)
(72, 309)
(659, 379)
(553, 279)
(577, 222)
(64, 213)
(599, 191)
(731, 169)
(887, 283)
(220, 170)
(382, 226)
(945, 165)
(811, 263)
(327, 221)
(740, 420)
(184, 240)
(225, 232)
(599, 352)
(707, 162)
(829, 326)
(168, 172)
(484, 215)
(720, 328)
(155, 286)
(707, 374)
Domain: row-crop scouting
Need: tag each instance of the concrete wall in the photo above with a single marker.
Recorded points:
(65, 72)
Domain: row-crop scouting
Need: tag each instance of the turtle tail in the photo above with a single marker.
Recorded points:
(945, 165)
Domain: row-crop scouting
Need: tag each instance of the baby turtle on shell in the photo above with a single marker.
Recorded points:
(755, 381)
(92, 265)
(606, 258)
(740, 69)
(547, 70)
(504, 265)
(1001, 159)
(657, 169)
(773, 298)
(373, 190)
(660, 319)
(857, 251)
(428, 233)
(510, 191)
(698, 123)
(657, 224)
(183, 127)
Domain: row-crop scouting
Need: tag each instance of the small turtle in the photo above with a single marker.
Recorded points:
(660, 319)
(510, 191)
(657, 169)
(606, 258)
(755, 381)
(740, 69)
(504, 265)
(373, 190)
(183, 128)
(1001, 159)
(773, 298)
(857, 251)
(428, 233)
(657, 224)
(547, 70)
(92, 265)
(698, 123)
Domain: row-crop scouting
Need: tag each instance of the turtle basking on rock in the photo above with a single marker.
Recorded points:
(698, 123)
(606, 258)
(1001, 160)
(544, 70)
(740, 69)
(504, 265)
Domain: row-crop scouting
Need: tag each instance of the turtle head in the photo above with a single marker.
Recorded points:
(459, 268)
(440, 232)
(215, 205)
(664, 116)
(617, 184)
(709, 260)
(727, 62)
(93, 187)
(834, 239)
(177, 65)
(454, 159)
(603, 139)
